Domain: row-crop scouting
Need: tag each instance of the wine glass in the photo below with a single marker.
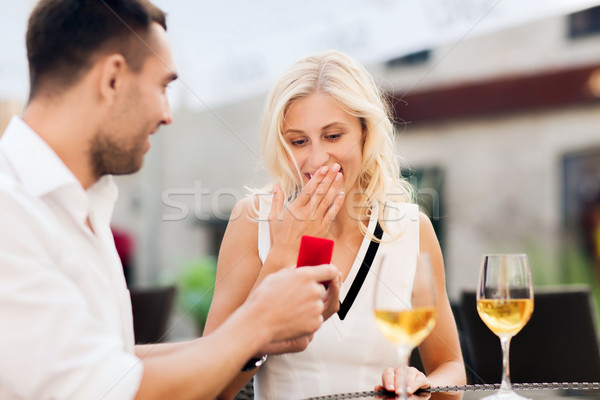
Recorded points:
(405, 304)
(505, 304)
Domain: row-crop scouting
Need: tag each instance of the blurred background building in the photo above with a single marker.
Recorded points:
(499, 125)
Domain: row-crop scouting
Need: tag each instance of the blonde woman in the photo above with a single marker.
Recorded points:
(327, 139)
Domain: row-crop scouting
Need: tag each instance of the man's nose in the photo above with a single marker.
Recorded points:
(167, 117)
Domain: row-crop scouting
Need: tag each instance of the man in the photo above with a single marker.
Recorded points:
(98, 74)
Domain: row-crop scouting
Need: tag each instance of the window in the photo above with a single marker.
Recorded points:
(429, 185)
(416, 58)
(584, 23)
(581, 209)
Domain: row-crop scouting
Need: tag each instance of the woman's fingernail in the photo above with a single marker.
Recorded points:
(338, 177)
(323, 170)
(336, 167)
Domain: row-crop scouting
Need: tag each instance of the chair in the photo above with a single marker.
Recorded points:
(151, 309)
(247, 392)
(559, 343)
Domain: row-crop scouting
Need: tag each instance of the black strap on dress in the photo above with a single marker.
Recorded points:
(362, 273)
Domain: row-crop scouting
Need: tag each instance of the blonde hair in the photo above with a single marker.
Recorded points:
(350, 85)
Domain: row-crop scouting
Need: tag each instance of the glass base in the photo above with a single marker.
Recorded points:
(501, 395)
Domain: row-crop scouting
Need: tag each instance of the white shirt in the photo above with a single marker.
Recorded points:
(66, 329)
(346, 355)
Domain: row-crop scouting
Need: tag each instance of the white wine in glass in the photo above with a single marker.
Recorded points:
(505, 304)
(405, 305)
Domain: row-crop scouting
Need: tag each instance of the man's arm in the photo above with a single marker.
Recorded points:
(199, 369)
(288, 304)
(55, 347)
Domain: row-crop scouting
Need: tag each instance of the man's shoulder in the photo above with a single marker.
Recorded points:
(15, 200)
(26, 222)
(5, 168)
(9, 184)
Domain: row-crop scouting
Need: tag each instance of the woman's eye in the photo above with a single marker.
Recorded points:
(334, 136)
(298, 142)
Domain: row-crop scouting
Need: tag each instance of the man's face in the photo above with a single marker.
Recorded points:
(140, 109)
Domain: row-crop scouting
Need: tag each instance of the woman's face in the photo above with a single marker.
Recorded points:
(320, 133)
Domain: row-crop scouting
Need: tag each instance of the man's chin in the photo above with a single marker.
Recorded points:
(128, 169)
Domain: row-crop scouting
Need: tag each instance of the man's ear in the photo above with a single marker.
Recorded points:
(113, 70)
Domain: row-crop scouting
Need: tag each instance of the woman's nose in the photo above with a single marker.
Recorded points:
(318, 156)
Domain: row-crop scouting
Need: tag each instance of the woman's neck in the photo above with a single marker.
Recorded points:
(348, 217)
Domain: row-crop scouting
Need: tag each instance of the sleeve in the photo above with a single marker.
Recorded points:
(51, 347)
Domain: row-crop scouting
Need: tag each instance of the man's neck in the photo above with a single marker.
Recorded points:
(65, 131)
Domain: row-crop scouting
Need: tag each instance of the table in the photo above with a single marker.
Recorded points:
(534, 394)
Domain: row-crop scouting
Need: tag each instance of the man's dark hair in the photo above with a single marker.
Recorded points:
(64, 36)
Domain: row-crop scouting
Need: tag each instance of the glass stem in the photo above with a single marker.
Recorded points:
(505, 386)
(404, 355)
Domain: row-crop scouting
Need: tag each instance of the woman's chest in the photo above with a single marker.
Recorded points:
(345, 252)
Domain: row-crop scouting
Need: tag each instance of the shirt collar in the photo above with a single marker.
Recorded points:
(36, 165)
(39, 169)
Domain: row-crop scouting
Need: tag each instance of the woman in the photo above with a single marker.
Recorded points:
(327, 139)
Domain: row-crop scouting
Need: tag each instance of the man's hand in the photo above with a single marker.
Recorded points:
(332, 304)
(332, 297)
(290, 303)
(287, 346)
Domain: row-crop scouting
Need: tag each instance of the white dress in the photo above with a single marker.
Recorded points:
(349, 354)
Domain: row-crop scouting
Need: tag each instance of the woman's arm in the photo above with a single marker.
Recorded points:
(440, 352)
